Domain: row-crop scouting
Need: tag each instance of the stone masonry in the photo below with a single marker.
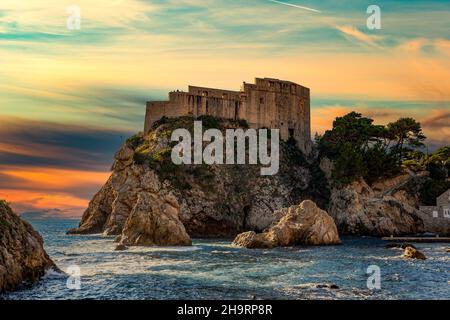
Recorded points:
(268, 103)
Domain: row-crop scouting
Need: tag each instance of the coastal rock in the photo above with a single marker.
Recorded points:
(305, 224)
(23, 259)
(412, 253)
(121, 247)
(358, 210)
(327, 286)
(154, 221)
(210, 200)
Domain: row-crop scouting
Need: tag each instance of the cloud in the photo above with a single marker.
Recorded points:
(353, 33)
(24, 201)
(442, 45)
(33, 188)
(413, 46)
(41, 143)
(439, 118)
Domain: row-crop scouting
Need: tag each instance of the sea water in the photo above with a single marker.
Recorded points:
(213, 269)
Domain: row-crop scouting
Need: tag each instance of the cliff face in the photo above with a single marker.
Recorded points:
(23, 259)
(208, 200)
(358, 211)
(387, 207)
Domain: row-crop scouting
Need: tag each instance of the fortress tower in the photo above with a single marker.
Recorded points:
(268, 103)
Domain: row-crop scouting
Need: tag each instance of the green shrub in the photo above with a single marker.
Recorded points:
(140, 158)
(162, 155)
(210, 122)
(135, 141)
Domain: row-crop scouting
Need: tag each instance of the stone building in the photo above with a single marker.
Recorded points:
(442, 208)
(268, 103)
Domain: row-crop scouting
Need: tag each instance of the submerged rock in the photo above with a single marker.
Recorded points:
(121, 247)
(327, 286)
(412, 253)
(23, 259)
(304, 224)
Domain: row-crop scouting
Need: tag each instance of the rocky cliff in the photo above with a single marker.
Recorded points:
(358, 211)
(145, 187)
(23, 259)
(389, 206)
(148, 200)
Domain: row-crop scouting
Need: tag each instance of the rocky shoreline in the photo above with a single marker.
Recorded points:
(23, 260)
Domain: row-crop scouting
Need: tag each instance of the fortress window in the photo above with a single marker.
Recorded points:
(261, 100)
(291, 133)
(207, 107)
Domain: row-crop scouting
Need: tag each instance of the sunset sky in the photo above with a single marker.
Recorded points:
(69, 98)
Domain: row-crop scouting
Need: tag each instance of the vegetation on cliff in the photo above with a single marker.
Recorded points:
(361, 149)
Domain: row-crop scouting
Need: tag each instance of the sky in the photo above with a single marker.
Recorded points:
(69, 98)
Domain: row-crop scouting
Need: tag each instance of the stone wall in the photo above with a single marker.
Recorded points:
(268, 103)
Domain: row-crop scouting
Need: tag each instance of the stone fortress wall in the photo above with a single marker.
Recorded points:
(268, 103)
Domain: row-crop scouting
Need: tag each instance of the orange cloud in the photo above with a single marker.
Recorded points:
(355, 33)
(46, 189)
(55, 178)
(23, 201)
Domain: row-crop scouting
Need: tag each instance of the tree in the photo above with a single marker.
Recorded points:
(361, 149)
(407, 135)
(351, 129)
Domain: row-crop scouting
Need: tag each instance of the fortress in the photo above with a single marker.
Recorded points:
(268, 103)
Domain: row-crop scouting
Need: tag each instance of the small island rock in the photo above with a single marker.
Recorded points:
(154, 222)
(304, 224)
(412, 253)
(23, 259)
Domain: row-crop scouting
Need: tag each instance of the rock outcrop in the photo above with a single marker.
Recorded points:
(304, 224)
(193, 200)
(358, 210)
(154, 221)
(413, 253)
(23, 259)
